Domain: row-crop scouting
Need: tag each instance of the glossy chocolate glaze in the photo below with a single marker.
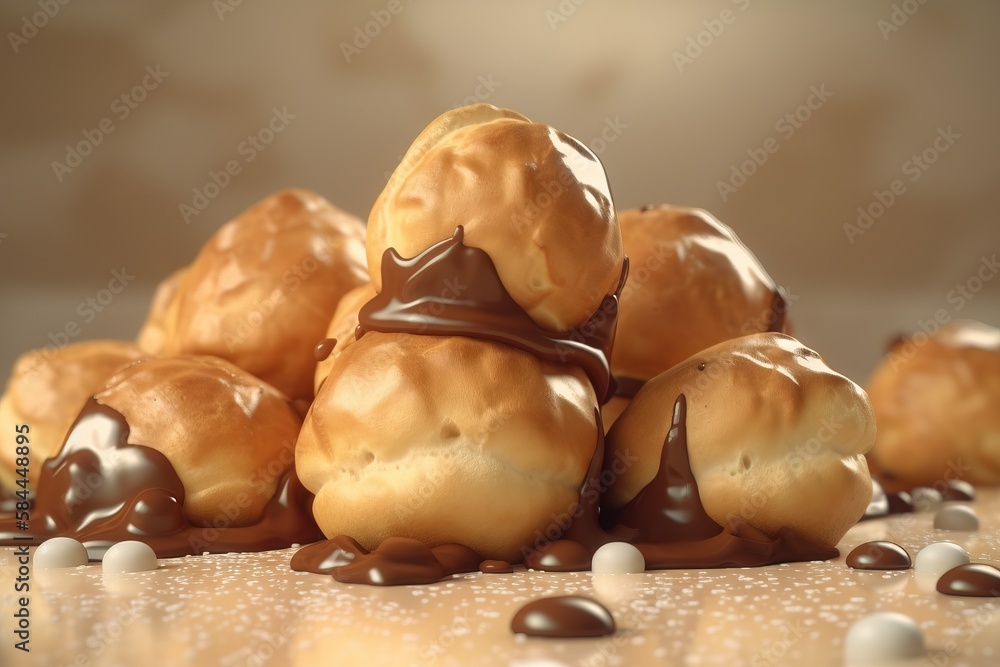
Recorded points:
(397, 561)
(324, 349)
(100, 490)
(628, 387)
(563, 616)
(879, 555)
(451, 289)
(496, 567)
(977, 580)
(665, 521)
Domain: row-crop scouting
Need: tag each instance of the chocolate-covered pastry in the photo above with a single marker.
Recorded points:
(776, 438)
(187, 454)
(464, 409)
(535, 199)
(45, 392)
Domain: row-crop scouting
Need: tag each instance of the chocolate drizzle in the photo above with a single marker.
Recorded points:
(452, 289)
(667, 522)
(669, 507)
(100, 490)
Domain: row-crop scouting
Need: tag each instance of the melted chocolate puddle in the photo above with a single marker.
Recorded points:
(397, 561)
(451, 289)
(100, 490)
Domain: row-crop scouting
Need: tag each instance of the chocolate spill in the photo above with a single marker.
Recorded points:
(100, 490)
(879, 555)
(563, 616)
(452, 289)
(669, 507)
(398, 561)
(977, 580)
(324, 349)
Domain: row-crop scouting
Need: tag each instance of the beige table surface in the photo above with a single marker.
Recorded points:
(250, 609)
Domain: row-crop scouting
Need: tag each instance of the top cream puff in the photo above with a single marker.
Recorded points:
(533, 198)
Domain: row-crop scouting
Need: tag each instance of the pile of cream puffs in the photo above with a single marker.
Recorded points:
(499, 368)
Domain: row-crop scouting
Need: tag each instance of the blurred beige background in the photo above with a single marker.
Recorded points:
(672, 95)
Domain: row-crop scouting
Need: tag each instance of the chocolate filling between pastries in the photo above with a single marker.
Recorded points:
(100, 489)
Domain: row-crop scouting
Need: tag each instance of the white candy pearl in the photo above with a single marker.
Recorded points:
(130, 556)
(60, 552)
(956, 517)
(883, 637)
(939, 557)
(618, 558)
